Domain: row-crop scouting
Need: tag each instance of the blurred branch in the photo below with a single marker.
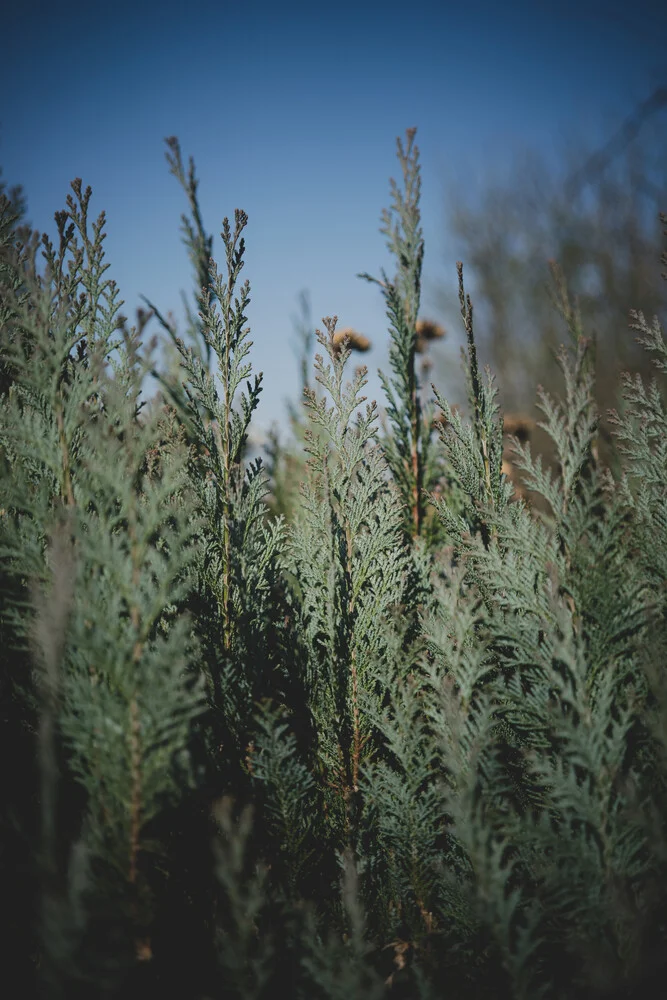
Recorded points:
(600, 160)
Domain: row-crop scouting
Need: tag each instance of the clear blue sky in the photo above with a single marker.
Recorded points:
(291, 111)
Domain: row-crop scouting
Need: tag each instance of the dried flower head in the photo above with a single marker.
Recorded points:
(427, 330)
(355, 341)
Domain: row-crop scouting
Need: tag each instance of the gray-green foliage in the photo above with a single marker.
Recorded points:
(95, 524)
(427, 770)
(240, 549)
(408, 445)
(567, 652)
(348, 564)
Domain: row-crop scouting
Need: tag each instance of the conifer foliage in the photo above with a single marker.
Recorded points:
(408, 741)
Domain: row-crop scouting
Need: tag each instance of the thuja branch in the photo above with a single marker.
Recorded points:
(406, 446)
(475, 384)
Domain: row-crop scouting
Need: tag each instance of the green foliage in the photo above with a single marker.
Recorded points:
(323, 752)
(240, 552)
(349, 568)
(98, 531)
(408, 444)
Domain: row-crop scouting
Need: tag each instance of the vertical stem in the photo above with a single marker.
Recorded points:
(226, 447)
(49, 635)
(67, 489)
(135, 723)
(135, 799)
(223, 450)
(416, 464)
(466, 312)
(48, 758)
(135, 726)
(49, 778)
(356, 724)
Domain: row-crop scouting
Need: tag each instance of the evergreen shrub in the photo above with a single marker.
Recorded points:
(407, 738)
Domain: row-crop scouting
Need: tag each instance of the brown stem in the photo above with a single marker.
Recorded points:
(64, 451)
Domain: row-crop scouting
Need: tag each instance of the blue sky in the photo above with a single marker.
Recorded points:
(291, 111)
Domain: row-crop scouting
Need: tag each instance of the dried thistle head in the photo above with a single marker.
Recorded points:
(355, 341)
(427, 329)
